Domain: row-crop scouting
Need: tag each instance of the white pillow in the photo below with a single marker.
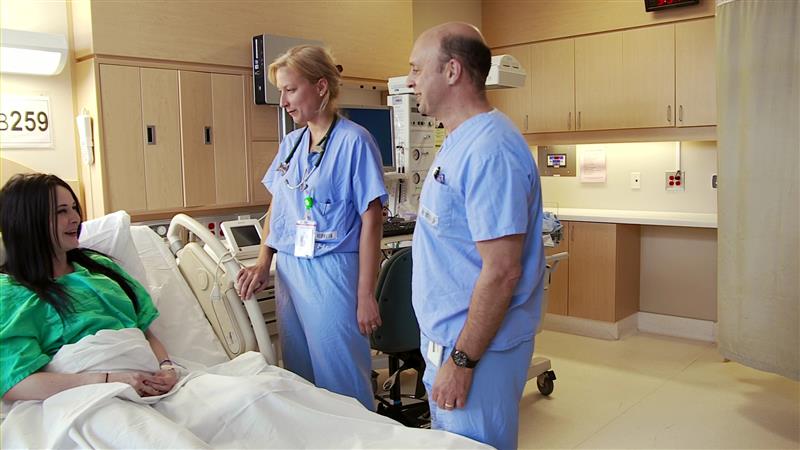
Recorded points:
(181, 326)
(111, 235)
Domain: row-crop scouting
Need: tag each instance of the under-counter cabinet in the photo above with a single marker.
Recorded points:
(601, 278)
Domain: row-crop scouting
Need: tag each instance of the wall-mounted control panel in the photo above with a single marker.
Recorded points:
(556, 160)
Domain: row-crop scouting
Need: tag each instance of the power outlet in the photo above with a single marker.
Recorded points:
(636, 180)
(675, 180)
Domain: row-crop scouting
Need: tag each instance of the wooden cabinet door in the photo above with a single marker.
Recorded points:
(552, 86)
(122, 155)
(161, 132)
(599, 85)
(261, 155)
(592, 270)
(558, 292)
(695, 83)
(197, 135)
(648, 61)
(230, 152)
(515, 103)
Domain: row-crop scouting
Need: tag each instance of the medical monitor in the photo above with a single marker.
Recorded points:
(379, 121)
(243, 236)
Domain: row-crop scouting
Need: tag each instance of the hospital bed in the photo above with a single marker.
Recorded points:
(290, 412)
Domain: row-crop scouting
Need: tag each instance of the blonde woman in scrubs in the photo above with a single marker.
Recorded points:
(325, 226)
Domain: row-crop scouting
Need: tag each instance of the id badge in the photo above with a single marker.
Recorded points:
(304, 236)
(435, 353)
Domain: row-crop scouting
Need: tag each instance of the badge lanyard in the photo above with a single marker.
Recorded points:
(283, 168)
(306, 229)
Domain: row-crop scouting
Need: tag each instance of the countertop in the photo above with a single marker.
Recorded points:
(674, 219)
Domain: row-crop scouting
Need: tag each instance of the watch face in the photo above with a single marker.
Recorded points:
(462, 360)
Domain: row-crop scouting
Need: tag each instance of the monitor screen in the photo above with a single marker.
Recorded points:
(379, 121)
(246, 236)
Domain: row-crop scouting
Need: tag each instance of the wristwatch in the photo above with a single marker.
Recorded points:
(462, 359)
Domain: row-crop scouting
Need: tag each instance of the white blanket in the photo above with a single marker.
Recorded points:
(243, 403)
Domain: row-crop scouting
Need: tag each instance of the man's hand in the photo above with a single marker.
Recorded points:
(451, 386)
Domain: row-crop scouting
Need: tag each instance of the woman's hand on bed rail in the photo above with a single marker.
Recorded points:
(254, 279)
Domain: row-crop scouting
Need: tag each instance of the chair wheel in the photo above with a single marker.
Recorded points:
(545, 384)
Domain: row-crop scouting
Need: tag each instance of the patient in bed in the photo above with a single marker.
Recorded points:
(82, 369)
(55, 293)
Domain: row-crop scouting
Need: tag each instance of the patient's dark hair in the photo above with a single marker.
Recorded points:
(27, 222)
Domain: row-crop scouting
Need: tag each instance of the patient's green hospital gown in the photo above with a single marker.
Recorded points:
(32, 332)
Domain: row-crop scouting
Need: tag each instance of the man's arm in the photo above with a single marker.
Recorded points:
(500, 273)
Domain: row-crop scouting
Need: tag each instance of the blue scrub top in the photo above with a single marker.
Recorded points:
(349, 177)
(487, 187)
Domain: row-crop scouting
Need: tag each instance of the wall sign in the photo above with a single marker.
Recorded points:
(25, 122)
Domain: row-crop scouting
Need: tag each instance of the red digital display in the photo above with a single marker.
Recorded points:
(656, 5)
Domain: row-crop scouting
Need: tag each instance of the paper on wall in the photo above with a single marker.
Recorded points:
(593, 165)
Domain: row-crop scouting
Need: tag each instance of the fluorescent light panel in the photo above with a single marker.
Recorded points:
(29, 52)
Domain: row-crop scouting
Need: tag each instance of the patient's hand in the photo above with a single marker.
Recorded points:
(250, 280)
(144, 383)
(166, 379)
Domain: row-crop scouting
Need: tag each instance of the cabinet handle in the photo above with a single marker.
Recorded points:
(526, 122)
(207, 135)
(578, 126)
(571, 233)
(151, 135)
(680, 113)
(569, 120)
(669, 113)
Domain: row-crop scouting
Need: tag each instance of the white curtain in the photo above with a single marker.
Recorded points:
(758, 104)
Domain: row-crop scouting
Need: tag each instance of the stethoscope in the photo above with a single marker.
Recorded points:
(283, 167)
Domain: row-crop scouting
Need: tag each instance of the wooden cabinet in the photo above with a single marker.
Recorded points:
(599, 99)
(141, 138)
(230, 150)
(261, 155)
(515, 103)
(648, 68)
(558, 292)
(552, 86)
(695, 82)
(601, 279)
(213, 129)
(162, 139)
(168, 139)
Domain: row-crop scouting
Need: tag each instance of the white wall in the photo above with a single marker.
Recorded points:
(51, 17)
(651, 160)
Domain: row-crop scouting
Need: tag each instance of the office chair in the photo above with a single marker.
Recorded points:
(398, 338)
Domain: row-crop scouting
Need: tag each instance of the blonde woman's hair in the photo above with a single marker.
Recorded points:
(312, 63)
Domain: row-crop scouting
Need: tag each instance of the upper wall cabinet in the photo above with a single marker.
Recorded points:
(695, 85)
(599, 85)
(651, 77)
(552, 86)
(648, 68)
(516, 102)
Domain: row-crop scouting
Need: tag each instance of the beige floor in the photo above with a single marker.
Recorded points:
(648, 391)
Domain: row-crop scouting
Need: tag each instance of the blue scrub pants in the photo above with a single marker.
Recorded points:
(316, 308)
(492, 412)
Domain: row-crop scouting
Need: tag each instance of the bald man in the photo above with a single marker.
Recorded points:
(478, 256)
